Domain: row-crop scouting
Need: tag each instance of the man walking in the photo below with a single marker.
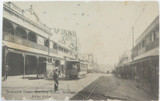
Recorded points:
(6, 71)
(55, 78)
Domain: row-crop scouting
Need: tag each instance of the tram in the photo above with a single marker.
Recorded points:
(74, 68)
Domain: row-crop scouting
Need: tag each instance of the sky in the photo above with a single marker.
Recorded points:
(104, 28)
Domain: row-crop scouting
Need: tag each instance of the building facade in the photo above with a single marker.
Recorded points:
(144, 66)
(27, 44)
(146, 55)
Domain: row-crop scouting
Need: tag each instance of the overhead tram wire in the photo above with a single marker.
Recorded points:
(140, 15)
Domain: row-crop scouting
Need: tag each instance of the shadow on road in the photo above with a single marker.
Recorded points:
(33, 78)
(68, 79)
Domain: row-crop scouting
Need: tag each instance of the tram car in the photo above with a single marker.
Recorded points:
(74, 68)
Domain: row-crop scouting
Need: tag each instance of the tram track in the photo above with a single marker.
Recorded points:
(103, 96)
(95, 91)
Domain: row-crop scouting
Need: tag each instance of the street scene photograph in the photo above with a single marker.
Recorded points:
(80, 50)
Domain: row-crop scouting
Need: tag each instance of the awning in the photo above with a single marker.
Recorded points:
(143, 57)
(153, 52)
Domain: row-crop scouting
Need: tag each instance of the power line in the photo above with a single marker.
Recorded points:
(140, 15)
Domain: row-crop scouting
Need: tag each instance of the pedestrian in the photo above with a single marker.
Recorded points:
(6, 71)
(59, 71)
(55, 78)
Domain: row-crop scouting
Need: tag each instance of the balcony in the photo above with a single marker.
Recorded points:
(18, 40)
(21, 41)
(148, 47)
(152, 45)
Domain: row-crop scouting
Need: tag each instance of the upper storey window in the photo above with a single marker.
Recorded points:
(32, 37)
(8, 27)
(21, 32)
(157, 33)
(152, 36)
(46, 42)
(143, 43)
(55, 46)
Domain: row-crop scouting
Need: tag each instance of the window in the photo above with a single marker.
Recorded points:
(55, 46)
(150, 35)
(32, 37)
(62, 49)
(8, 27)
(143, 43)
(148, 39)
(139, 46)
(157, 33)
(21, 32)
(46, 43)
(66, 51)
(153, 36)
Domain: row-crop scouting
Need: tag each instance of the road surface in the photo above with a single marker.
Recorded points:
(94, 86)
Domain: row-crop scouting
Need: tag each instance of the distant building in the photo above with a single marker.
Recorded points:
(125, 57)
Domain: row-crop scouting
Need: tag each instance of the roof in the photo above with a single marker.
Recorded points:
(153, 52)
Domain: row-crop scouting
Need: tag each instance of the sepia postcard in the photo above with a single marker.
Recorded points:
(80, 50)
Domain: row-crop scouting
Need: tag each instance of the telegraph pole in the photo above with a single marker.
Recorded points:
(133, 32)
(76, 46)
(132, 42)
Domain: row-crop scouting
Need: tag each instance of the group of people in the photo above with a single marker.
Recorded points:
(141, 73)
(126, 72)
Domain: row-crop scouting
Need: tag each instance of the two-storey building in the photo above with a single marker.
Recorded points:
(145, 54)
(27, 44)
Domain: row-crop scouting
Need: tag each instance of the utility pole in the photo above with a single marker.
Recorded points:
(133, 31)
(76, 46)
(132, 42)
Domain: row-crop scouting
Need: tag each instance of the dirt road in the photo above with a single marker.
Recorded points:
(94, 86)
(112, 88)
